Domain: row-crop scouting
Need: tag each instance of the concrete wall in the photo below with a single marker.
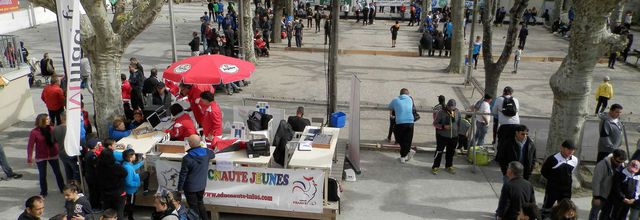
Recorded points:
(23, 18)
(16, 99)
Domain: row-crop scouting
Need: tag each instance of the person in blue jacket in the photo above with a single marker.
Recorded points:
(118, 130)
(193, 174)
(133, 179)
(403, 130)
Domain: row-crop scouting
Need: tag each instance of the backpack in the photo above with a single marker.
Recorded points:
(509, 107)
(258, 121)
(335, 189)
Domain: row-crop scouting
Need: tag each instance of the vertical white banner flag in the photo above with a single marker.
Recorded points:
(69, 28)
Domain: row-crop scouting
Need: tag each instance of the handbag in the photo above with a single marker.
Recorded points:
(416, 115)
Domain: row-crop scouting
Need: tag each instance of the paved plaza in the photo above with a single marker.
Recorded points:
(386, 189)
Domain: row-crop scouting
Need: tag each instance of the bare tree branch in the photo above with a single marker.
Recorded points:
(515, 15)
(142, 16)
(48, 4)
(119, 16)
(98, 18)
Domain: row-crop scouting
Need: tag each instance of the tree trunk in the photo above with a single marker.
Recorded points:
(426, 8)
(288, 7)
(494, 70)
(277, 19)
(105, 80)
(557, 10)
(247, 33)
(456, 64)
(571, 84)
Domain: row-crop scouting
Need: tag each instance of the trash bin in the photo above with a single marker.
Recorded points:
(338, 119)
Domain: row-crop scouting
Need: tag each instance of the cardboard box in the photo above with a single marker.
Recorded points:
(143, 131)
(171, 147)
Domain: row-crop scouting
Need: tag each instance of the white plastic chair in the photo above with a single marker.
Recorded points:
(262, 133)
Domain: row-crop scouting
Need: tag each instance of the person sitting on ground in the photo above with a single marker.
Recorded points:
(138, 119)
(297, 122)
(183, 126)
(118, 129)
(76, 204)
(164, 207)
(34, 208)
(261, 46)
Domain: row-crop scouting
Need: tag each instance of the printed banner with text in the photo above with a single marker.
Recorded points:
(69, 27)
(8, 5)
(266, 188)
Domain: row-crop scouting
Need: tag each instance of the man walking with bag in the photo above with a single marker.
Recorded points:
(403, 130)
(447, 123)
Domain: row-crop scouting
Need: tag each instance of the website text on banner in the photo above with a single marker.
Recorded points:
(69, 28)
(277, 189)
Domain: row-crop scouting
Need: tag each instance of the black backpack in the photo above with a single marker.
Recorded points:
(258, 121)
(509, 107)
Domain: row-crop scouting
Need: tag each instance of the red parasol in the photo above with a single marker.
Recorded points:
(208, 70)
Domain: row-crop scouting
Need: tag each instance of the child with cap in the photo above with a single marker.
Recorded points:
(558, 170)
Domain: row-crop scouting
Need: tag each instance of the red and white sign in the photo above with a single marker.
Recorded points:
(268, 188)
(8, 5)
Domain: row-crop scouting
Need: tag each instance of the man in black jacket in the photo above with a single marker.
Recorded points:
(195, 44)
(297, 122)
(558, 169)
(150, 83)
(520, 148)
(522, 36)
(327, 29)
(193, 175)
(515, 193)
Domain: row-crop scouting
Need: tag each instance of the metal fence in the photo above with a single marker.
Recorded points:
(12, 57)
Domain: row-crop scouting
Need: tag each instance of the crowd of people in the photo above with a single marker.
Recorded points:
(516, 155)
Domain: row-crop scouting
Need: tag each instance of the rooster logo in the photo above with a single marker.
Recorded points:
(170, 178)
(307, 187)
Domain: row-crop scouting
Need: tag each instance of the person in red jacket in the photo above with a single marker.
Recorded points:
(193, 94)
(212, 120)
(53, 97)
(183, 126)
(126, 96)
(41, 140)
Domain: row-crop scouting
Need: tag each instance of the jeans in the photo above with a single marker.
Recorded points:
(633, 213)
(194, 199)
(298, 41)
(595, 210)
(443, 143)
(481, 131)
(404, 136)
(42, 173)
(4, 163)
(71, 169)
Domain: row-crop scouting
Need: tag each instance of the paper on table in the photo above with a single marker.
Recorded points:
(226, 155)
(224, 165)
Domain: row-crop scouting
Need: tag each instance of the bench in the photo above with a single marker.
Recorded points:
(635, 53)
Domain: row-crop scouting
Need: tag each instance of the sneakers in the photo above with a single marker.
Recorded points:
(435, 170)
(411, 154)
(451, 170)
(403, 159)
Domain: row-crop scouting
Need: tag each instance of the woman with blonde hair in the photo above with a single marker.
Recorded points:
(46, 151)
